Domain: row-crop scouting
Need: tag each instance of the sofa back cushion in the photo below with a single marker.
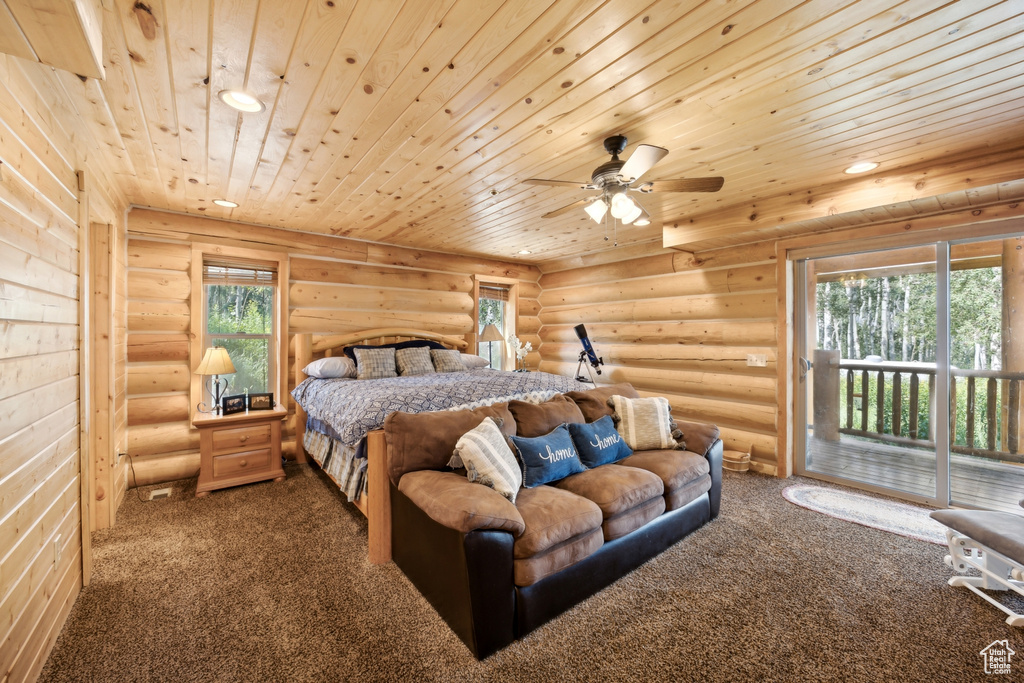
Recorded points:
(538, 419)
(426, 441)
(593, 403)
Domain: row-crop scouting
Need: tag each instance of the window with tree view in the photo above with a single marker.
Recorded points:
(240, 303)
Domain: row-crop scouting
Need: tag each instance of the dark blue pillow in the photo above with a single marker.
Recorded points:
(547, 458)
(350, 351)
(598, 442)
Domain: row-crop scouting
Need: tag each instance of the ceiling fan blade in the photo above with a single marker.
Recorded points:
(713, 184)
(567, 208)
(641, 161)
(557, 183)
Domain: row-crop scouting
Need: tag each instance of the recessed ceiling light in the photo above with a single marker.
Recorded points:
(524, 252)
(225, 203)
(862, 167)
(242, 101)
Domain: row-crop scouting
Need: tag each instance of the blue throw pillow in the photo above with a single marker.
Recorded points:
(547, 458)
(598, 442)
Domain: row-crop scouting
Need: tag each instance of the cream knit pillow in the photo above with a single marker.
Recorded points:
(644, 423)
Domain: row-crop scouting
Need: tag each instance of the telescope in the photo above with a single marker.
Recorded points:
(587, 355)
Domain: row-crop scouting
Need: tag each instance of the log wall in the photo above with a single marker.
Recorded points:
(49, 194)
(677, 325)
(336, 285)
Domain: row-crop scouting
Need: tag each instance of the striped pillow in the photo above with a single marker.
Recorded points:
(644, 423)
(447, 360)
(375, 363)
(489, 460)
(414, 361)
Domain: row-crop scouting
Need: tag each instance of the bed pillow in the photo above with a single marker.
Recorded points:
(350, 351)
(472, 362)
(645, 423)
(329, 368)
(375, 363)
(414, 361)
(599, 443)
(447, 360)
(488, 459)
(547, 458)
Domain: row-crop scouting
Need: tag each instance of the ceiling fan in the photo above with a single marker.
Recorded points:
(615, 180)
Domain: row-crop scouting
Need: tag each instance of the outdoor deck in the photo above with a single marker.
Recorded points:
(977, 482)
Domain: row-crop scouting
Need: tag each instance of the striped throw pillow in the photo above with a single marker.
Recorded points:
(488, 459)
(644, 423)
(375, 363)
(447, 360)
(414, 361)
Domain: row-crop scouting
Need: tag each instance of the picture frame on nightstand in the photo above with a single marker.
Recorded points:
(233, 404)
(261, 401)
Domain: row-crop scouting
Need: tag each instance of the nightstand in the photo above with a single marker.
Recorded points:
(239, 448)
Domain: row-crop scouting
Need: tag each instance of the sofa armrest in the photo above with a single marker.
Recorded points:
(459, 504)
(700, 437)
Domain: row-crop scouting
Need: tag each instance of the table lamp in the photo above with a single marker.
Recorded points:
(490, 335)
(215, 363)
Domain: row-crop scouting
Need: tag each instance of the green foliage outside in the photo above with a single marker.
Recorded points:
(241, 319)
(894, 318)
(491, 311)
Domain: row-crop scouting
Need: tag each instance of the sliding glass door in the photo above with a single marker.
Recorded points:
(910, 375)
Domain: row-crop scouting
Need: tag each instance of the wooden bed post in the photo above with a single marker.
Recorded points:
(378, 498)
(303, 357)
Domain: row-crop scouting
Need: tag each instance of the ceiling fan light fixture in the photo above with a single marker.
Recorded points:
(861, 167)
(633, 214)
(623, 206)
(596, 209)
(241, 100)
(644, 218)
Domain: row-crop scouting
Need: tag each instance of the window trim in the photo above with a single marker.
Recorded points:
(197, 318)
(511, 314)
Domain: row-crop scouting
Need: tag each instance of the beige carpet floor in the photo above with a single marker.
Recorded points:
(269, 582)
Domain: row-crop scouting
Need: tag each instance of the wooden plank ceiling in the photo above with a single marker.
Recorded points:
(414, 122)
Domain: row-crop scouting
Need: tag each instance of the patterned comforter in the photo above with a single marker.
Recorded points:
(341, 411)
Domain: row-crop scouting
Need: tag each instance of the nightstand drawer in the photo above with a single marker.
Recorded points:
(239, 463)
(241, 437)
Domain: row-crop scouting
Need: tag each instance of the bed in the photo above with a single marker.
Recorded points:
(337, 421)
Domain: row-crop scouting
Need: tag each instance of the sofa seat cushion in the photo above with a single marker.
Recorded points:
(551, 517)
(530, 570)
(452, 500)
(616, 490)
(675, 468)
(685, 474)
(633, 518)
(687, 494)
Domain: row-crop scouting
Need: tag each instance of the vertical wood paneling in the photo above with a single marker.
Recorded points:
(680, 326)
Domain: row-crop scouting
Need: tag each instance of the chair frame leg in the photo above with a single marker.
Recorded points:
(996, 571)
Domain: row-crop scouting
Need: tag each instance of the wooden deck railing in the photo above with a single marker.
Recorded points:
(895, 402)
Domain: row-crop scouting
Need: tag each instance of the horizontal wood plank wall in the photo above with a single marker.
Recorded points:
(336, 285)
(43, 211)
(677, 325)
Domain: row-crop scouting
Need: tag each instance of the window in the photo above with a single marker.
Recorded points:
(496, 305)
(239, 315)
(491, 311)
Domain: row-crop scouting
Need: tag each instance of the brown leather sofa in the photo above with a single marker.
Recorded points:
(496, 570)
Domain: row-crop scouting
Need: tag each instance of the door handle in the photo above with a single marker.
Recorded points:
(805, 367)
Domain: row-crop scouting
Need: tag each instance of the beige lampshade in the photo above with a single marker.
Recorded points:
(216, 362)
(491, 333)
